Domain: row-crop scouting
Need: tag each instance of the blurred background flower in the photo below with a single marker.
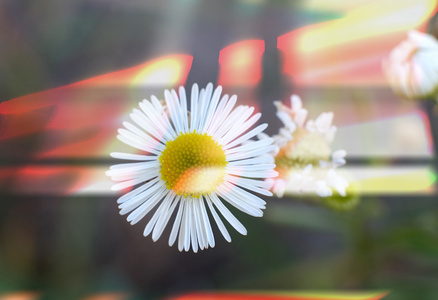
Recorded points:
(72, 70)
(303, 156)
(412, 66)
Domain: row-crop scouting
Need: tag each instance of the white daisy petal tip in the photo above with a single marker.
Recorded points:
(345, 197)
(115, 187)
(342, 193)
(339, 153)
(163, 179)
(322, 189)
(296, 103)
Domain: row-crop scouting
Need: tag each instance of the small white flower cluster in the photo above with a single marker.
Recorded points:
(412, 66)
(295, 117)
(304, 146)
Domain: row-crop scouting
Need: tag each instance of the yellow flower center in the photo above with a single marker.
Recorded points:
(193, 164)
(305, 148)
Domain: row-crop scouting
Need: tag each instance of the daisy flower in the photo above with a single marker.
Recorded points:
(412, 66)
(303, 155)
(192, 162)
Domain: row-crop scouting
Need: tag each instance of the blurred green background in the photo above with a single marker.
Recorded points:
(73, 246)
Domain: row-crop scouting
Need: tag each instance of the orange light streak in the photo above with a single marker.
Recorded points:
(348, 51)
(240, 63)
(75, 121)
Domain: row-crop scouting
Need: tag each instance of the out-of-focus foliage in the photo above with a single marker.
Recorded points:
(75, 246)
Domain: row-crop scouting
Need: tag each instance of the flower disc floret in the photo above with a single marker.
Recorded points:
(193, 164)
(305, 148)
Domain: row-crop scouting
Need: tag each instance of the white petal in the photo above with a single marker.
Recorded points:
(249, 168)
(219, 111)
(247, 181)
(206, 222)
(228, 215)
(173, 111)
(253, 174)
(252, 153)
(182, 228)
(157, 104)
(220, 119)
(238, 203)
(237, 116)
(132, 182)
(145, 123)
(128, 156)
(148, 110)
(183, 98)
(300, 117)
(239, 129)
(134, 129)
(200, 229)
(146, 141)
(322, 189)
(146, 207)
(182, 114)
(336, 181)
(286, 134)
(187, 220)
(251, 146)
(295, 103)
(137, 144)
(166, 121)
(203, 108)
(138, 190)
(212, 108)
(286, 119)
(246, 197)
(163, 219)
(158, 213)
(219, 223)
(264, 159)
(193, 230)
(246, 136)
(177, 223)
(194, 107)
(239, 126)
(126, 167)
(279, 187)
(137, 200)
